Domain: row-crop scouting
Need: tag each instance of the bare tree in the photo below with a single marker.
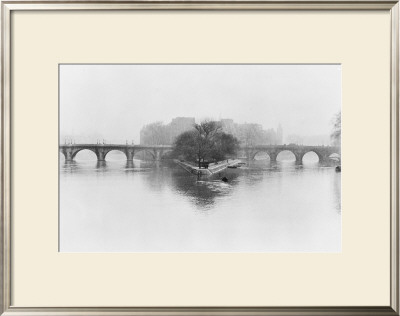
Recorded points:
(336, 134)
(205, 142)
(155, 134)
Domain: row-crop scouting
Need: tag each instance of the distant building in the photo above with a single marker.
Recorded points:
(295, 139)
(248, 134)
(323, 139)
(270, 137)
(279, 135)
(228, 126)
(159, 134)
(179, 125)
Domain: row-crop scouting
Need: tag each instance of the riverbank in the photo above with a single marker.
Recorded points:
(212, 168)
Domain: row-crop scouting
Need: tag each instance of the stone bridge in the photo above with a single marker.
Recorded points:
(157, 151)
(323, 152)
(101, 150)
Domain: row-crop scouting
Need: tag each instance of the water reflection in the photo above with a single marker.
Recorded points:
(337, 184)
(202, 193)
(116, 205)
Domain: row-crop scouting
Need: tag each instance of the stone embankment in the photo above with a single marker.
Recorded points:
(213, 168)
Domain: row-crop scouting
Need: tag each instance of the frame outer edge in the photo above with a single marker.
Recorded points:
(205, 311)
(394, 277)
(199, 5)
(5, 158)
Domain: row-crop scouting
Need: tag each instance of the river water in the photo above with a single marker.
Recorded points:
(147, 206)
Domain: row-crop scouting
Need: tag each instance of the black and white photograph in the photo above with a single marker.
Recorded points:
(188, 158)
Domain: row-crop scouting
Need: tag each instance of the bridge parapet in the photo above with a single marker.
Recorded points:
(101, 150)
(323, 152)
(157, 151)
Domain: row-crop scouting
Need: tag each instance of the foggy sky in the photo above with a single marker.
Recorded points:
(115, 101)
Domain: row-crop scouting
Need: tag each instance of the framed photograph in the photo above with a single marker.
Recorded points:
(200, 158)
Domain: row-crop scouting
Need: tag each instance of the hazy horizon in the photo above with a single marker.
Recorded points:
(113, 102)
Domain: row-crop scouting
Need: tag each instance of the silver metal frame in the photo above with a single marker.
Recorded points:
(8, 6)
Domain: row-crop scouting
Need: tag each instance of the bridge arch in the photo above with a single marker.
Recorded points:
(75, 152)
(259, 152)
(164, 153)
(63, 154)
(312, 152)
(144, 151)
(296, 156)
(116, 150)
(334, 156)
